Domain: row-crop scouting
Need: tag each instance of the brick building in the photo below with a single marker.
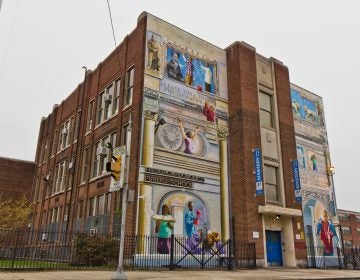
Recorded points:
(195, 119)
(16, 178)
(350, 225)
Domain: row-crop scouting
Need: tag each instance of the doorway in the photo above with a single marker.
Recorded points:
(273, 248)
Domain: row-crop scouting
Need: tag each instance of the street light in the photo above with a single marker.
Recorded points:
(119, 274)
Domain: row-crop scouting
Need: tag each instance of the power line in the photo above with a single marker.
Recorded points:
(111, 21)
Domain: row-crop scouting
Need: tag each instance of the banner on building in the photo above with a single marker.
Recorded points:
(296, 179)
(258, 172)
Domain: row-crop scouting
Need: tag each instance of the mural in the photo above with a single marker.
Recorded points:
(301, 156)
(304, 108)
(320, 228)
(183, 113)
(189, 70)
(317, 190)
(153, 51)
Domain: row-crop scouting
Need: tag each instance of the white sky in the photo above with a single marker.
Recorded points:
(44, 44)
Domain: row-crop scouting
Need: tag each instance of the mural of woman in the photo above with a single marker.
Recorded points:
(163, 228)
(326, 231)
(189, 138)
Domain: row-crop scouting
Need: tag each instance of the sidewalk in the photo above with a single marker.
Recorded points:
(263, 274)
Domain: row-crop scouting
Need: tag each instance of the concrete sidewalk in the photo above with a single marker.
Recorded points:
(263, 274)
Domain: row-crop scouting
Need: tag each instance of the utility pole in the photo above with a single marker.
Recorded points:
(120, 275)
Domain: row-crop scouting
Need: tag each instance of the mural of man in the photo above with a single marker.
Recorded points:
(153, 54)
(173, 68)
(207, 77)
(190, 220)
(326, 231)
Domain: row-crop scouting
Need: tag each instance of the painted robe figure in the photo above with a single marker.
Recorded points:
(326, 232)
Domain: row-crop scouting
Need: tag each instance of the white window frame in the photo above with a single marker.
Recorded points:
(99, 161)
(129, 88)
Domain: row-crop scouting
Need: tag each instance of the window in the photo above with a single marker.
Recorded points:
(271, 184)
(344, 217)
(36, 190)
(108, 102)
(77, 125)
(59, 177)
(124, 134)
(89, 120)
(265, 103)
(346, 230)
(99, 205)
(347, 243)
(101, 155)
(71, 172)
(92, 206)
(55, 215)
(84, 165)
(54, 144)
(66, 134)
(79, 209)
(129, 87)
(116, 97)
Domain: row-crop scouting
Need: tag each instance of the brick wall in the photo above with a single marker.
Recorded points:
(16, 178)
(244, 131)
(129, 53)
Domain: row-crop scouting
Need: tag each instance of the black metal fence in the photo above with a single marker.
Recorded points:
(341, 258)
(45, 250)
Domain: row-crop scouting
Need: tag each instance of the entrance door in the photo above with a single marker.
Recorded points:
(273, 248)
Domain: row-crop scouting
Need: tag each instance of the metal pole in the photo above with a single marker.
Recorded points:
(119, 274)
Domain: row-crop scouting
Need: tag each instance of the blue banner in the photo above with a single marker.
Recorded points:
(296, 179)
(258, 172)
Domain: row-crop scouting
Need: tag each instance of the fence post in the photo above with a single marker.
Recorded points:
(15, 249)
(172, 252)
(229, 253)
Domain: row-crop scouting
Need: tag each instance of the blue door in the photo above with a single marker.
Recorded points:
(273, 248)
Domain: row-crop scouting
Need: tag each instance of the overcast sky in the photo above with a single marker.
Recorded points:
(44, 44)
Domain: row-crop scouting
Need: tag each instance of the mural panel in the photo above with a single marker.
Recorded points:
(316, 183)
(180, 182)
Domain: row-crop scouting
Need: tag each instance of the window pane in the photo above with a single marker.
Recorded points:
(265, 101)
(265, 119)
(270, 175)
(272, 193)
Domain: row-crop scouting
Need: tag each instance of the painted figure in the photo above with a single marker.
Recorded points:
(190, 220)
(189, 138)
(153, 54)
(164, 228)
(173, 68)
(313, 162)
(326, 231)
(207, 77)
(189, 75)
(209, 112)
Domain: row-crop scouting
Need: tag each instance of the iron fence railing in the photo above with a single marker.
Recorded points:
(30, 249)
